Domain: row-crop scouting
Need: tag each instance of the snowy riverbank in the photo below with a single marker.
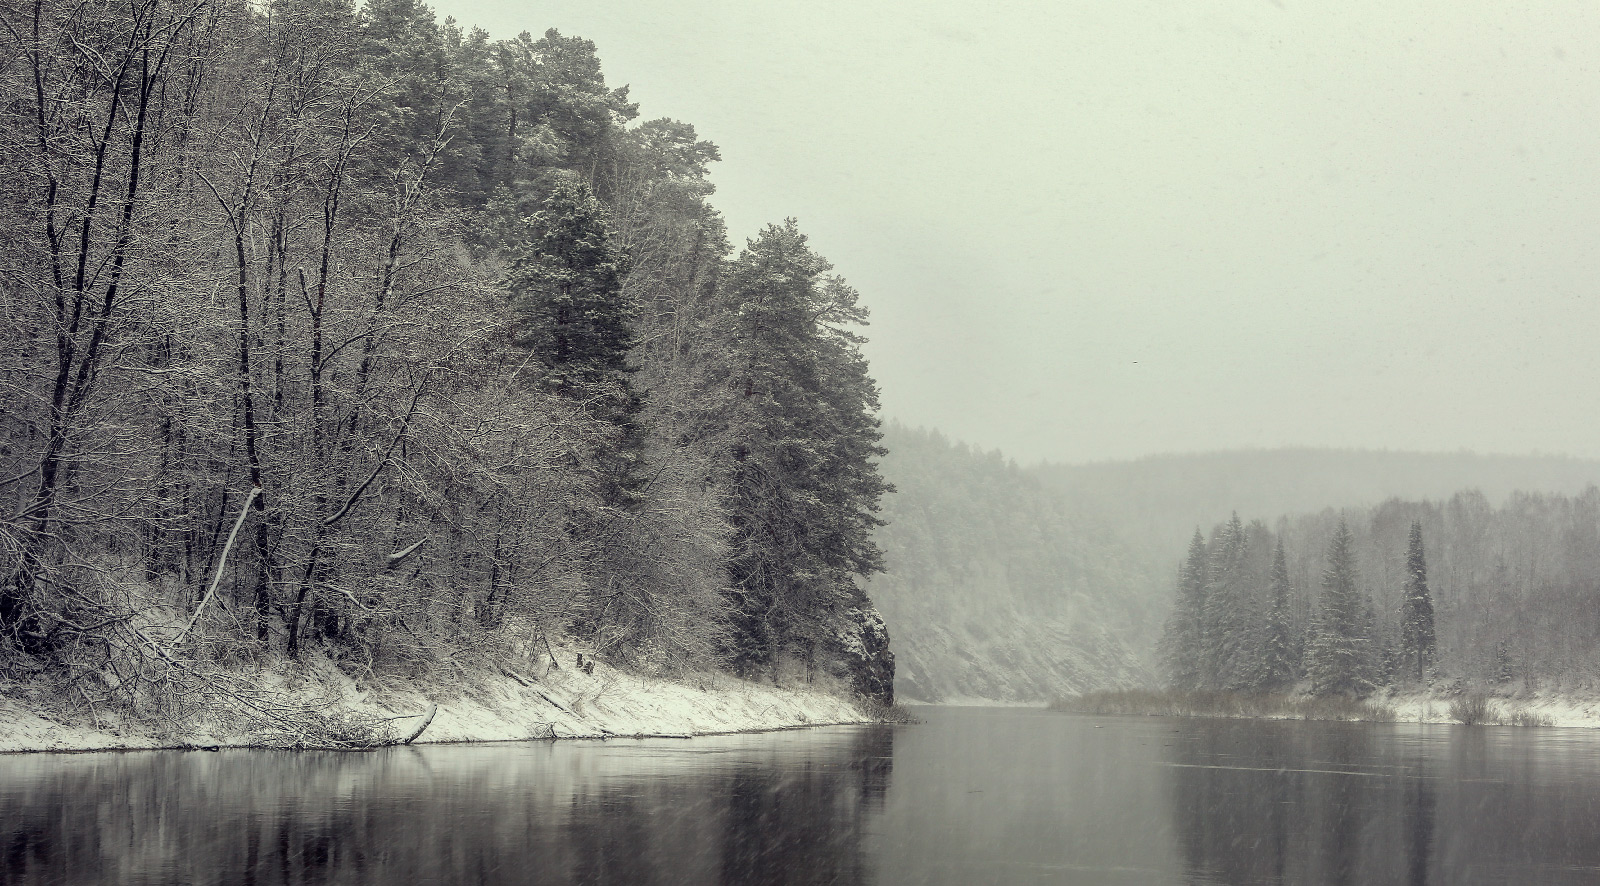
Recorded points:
(567, 703)
(1549, 709)
(1523, 708)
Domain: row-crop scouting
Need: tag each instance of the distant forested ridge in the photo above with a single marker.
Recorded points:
(1405, 593)
(1156, 501)
(1012, 583)
(998, 586)
(346, 330)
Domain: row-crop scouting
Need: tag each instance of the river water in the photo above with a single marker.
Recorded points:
(971, 796)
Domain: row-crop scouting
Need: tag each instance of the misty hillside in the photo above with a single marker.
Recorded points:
(1155, 503)
(997, 587)
(1013, 583)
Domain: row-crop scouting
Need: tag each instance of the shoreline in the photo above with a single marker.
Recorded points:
(597, 704)
(681, 736)
(1535, 710)
(1562, 710)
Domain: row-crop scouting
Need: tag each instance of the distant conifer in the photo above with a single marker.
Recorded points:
(1229, 623)
(1277, 668)
(1183, 640)
(1416, 612)
(1340, 655)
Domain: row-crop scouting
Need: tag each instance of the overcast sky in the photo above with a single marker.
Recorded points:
(1102, 230)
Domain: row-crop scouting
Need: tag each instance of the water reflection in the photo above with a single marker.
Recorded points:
(973, 796)
(1351, 803)
(784, 808)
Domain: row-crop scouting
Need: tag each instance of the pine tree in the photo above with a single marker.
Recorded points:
(566, 285)
(803, 462)
(566, 289)
(1416, 611)
(1277, 665)
(1182, 642)
(1340, 654)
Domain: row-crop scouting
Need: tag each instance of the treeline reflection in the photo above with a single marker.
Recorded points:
(789, 811)
(972, 796)
(1354, 803)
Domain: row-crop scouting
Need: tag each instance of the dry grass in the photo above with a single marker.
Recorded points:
(1471, 709)
(1170, 703)
(1475, 709)
(1525, 717)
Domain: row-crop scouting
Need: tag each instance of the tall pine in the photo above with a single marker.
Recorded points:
(803, 464)
(566, 285)
(570, 312)
(1416, 612)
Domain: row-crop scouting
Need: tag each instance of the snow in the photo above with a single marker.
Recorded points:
(1559, 708)
(563, 703)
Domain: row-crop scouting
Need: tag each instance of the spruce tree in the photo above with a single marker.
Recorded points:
(1340, 653)
(1229, 625)
(1277, 665)
(1416, 612)
(1183, 640)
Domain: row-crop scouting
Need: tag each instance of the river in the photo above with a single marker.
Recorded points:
(971, 796)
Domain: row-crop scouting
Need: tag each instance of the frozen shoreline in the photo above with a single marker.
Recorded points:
(568, 703)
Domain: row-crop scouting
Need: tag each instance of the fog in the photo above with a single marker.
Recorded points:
(1095, 231)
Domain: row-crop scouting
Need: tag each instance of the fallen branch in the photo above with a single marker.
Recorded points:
(509, 673)
(431, 711)
(558, 705)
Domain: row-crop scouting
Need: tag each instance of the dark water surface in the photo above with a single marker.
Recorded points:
(972, 796)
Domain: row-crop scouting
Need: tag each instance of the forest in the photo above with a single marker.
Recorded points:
(1407, 594)
(349, 333)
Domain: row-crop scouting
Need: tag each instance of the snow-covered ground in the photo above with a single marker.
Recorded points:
(1557, 709)
(564, 703)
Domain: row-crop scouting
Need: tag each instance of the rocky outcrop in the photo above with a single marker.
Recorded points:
(867, 662)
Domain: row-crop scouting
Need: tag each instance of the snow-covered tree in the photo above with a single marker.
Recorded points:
(1183, 640)
(1277, 668)
(566, 289)
(1340, 654)
(1230, 622)
(802, 465)
(1416, 612)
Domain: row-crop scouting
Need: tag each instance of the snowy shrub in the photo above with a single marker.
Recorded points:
(1470, 709)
